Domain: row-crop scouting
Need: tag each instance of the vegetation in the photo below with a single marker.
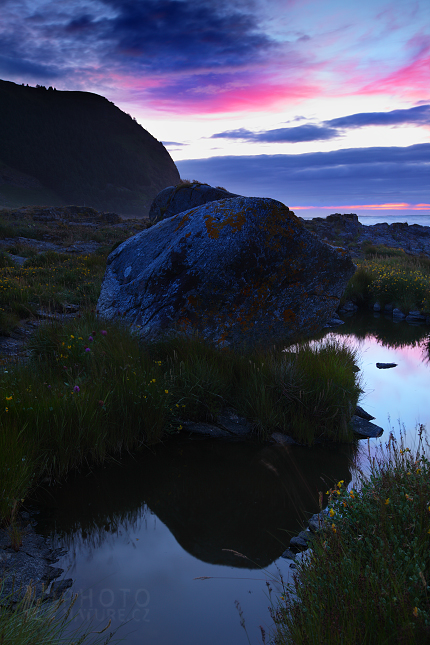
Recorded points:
(390, 276)
(91, 390)
(30, 622)
(77, 147)
(367, 581)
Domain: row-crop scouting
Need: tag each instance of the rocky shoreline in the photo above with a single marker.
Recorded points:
(29, 565)
(345, 230)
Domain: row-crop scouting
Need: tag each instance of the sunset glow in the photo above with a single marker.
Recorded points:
(288, 89)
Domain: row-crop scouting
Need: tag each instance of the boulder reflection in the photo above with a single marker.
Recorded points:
(214, 497)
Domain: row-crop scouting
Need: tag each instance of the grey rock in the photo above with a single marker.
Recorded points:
(289, 555)
(27, 566)
(301, 540)
(389, 308)
(178, 199)
(365, 429)
(283, 439)
(206, 429)
(317, 522)
(334, 321)
(385, 366)
(363, 414)
(237, 271)
(229, 420)
(397, 313)
(376, 307)
(415, 317)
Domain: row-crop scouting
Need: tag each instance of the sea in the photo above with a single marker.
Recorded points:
(370, 220)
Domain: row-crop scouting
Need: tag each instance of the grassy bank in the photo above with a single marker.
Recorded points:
(367, 582)
(91, 390)
(390, 276)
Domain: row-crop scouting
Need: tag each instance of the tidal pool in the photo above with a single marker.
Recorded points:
(170, 538)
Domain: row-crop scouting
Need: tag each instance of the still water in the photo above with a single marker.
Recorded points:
(155, 540)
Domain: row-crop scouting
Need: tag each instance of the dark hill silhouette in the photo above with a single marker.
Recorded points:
(77, 148)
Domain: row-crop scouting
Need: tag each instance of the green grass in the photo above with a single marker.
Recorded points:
(31, 622)
(392, 278)
(367, 582)
(91, 390)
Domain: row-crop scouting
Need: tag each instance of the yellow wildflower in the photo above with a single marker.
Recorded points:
(8, 398)
(332, 512)
(415, 611)
(387, 501)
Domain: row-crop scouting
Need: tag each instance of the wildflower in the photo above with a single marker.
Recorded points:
(76, 388)
(8, 398)
(80, 338)
(352, 494)
(69, 347)
(415, 611)
(6, 409)
(103, 332)
(90, 339)
(332, 512)
(340, 483)
(387, 501)
(333, 528)
(71, 336)
(166, 391)
(101, 402)
(409, 498)
(87, 349)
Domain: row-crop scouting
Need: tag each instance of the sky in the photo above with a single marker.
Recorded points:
(324, 106)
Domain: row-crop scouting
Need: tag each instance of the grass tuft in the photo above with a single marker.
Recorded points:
(367, 581)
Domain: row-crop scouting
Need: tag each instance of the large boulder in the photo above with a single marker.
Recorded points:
(241, 270)
(178, 199)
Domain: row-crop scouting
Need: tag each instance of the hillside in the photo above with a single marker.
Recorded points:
(62, 148)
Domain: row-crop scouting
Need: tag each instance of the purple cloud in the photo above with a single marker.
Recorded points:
(354, 175)
(282, 135)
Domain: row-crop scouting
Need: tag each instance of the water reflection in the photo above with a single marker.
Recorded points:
(211, 495)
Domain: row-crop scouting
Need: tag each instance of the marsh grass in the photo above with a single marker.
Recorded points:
(392, 278)
(367, 581)
(92, 390)
(31, 622)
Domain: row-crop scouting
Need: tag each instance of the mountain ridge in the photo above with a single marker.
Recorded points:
(69, 147)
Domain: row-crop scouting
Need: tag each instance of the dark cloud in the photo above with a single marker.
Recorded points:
(331, 129)
(9, 65)
(84, 23)
(420, 115)
(355, 175)
(281, 135)
(166, 35)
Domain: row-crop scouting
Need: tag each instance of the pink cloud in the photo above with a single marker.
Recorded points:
(258, 96)
(380, 207)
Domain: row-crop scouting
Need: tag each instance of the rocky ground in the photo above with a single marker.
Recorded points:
(345, 230)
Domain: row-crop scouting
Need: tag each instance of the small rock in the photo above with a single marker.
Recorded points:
(365, 429)
(397, 313)
(363, 414)
(302, 539)
(376, 307)
(333, 322)
(317, 522)
(289, 555)
(385, 366)
(281, 438)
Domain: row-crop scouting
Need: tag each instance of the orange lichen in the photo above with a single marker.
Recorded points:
(214, 227)
(288, 315)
